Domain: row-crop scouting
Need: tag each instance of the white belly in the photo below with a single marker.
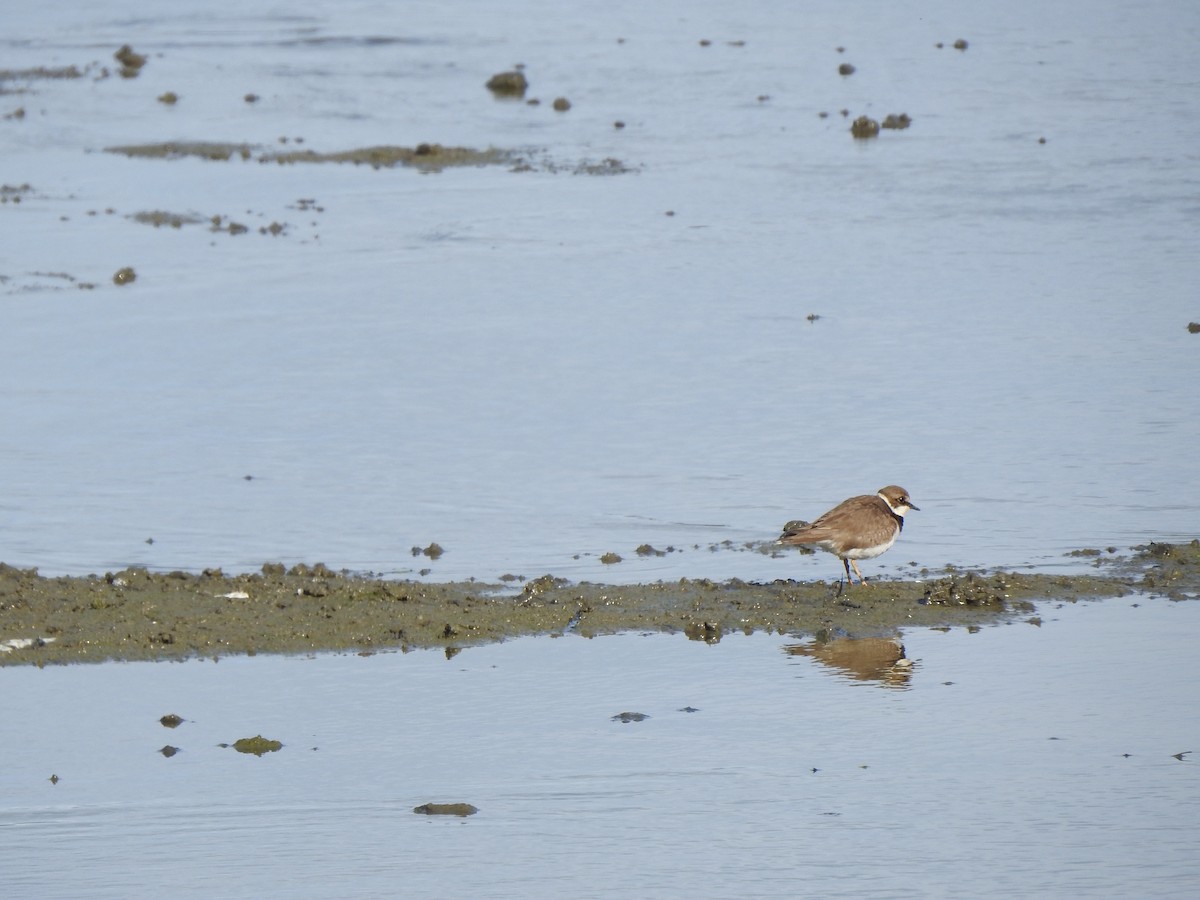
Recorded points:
(870, 552)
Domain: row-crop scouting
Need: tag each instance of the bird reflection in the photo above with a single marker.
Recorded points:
(863, 659)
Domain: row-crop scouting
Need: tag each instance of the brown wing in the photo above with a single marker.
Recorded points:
(831, 522)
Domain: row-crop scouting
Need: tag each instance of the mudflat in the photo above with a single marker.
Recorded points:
(136, 614)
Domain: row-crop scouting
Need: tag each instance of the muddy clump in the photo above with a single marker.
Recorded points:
(257, 745)
(627, 717)
(160, 218)
(864, 127)
(542, 584)
(897, 122)
(131, 62)
(648, 550)
(37, 73)
(969, 590)
(425, 156)
(1169, 569)
(217, 152)
(512, 84)
(445, 809)
(14, 193)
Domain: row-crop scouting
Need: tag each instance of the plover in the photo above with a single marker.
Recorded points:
(859, 528)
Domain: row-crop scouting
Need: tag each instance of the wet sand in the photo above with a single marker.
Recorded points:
(136, 614)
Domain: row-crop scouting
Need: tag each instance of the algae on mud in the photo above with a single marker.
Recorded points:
(257, 745)
(424, 156)
(136, 614)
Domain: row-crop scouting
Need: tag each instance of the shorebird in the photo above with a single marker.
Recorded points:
(859, 528)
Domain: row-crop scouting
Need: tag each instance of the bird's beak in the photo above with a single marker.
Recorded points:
(910, 506)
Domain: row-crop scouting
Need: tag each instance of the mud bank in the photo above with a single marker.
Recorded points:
(140, 615)
(427, 157)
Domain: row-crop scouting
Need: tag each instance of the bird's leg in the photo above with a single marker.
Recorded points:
(846, 566)
(861, 580)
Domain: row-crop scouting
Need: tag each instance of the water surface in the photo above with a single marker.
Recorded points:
(1019, 760)
(537, 368)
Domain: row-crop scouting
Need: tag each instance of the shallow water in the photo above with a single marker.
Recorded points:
(1020, 760)
(533, 369)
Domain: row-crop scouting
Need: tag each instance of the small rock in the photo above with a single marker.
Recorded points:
(561, 104)
(125, 276)
(845, 69)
